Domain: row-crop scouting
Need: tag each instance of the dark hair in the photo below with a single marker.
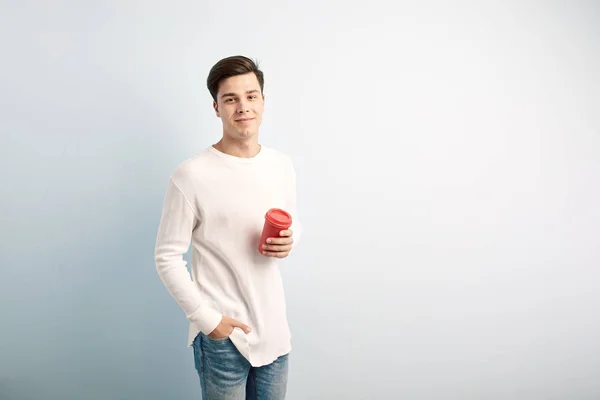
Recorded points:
(232, 66)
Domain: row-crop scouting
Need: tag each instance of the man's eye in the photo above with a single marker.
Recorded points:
(229, 100)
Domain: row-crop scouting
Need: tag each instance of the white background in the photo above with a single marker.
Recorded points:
(448, 160)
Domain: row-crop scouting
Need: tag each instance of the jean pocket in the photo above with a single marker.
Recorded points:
(217, 340)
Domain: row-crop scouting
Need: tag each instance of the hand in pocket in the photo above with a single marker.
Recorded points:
(226, 327)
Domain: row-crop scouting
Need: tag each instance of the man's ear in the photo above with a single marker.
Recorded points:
(216, 107)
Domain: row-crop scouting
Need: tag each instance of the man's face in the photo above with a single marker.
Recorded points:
(240, 106)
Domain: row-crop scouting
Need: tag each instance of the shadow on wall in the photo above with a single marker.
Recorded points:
(21, 390)
(103, 325)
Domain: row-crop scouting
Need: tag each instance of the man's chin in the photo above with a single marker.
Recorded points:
(246, 134)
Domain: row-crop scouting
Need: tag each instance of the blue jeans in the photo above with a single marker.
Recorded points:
(226, 375)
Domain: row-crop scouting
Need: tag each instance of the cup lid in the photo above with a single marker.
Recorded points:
(279, 217)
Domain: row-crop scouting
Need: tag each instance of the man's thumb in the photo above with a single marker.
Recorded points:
(238, 324)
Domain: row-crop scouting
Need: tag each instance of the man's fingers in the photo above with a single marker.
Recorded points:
(277, 248)
(277, 254)
(283, 240)
(237, 324)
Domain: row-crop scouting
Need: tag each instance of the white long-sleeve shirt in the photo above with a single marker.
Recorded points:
(217, 203)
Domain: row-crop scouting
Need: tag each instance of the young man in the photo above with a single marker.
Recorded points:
(217, 201)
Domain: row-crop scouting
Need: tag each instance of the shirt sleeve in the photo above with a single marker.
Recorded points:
(177, 223)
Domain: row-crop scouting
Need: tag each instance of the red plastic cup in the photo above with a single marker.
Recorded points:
(276, 220)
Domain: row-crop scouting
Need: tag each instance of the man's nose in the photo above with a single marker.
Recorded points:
(242, 107)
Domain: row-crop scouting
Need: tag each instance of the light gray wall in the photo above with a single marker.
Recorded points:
(448, 161)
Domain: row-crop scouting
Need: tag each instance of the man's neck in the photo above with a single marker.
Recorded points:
(242, 149)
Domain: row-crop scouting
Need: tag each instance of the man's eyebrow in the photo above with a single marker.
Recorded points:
(233, 94)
